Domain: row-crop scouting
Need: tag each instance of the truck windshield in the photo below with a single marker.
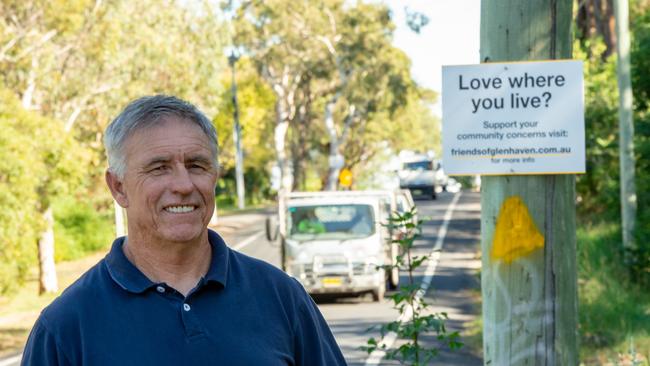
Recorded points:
(418, 165)
(335, 222)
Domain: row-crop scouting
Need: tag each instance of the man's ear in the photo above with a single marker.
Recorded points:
(117, 189)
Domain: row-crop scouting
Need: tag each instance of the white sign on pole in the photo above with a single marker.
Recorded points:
(513, 118)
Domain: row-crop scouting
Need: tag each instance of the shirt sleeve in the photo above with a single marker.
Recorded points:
(314, 342)
(42, 348)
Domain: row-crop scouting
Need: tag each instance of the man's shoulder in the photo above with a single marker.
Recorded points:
(81, 294)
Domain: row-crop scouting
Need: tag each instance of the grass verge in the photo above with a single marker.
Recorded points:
(614, 311)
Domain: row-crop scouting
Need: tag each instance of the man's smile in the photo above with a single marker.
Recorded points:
(180, 208)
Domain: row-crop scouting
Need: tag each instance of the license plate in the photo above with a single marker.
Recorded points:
(332, 281)
(417, 192)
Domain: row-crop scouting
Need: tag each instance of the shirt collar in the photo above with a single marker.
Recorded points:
(218, 271)
(129, 277)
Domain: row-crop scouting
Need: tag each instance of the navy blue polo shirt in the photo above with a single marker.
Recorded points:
(243, 312)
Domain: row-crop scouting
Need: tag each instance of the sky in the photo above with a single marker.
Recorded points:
(450, 38)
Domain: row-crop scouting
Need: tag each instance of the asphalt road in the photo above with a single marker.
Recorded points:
(453, 277)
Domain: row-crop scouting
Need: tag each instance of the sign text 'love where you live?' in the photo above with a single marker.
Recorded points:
(513, 118)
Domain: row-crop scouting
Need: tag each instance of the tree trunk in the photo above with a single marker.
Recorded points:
(300, 143)
(626, 128)
(47, 270)
(336, 160)
(298, 158)
(595, 18)
(28, 94)
(120, 224)
(281, 128)
(530, 303)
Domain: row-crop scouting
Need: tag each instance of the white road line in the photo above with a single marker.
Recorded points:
(11, 360)
(390, 337)
(245, 242)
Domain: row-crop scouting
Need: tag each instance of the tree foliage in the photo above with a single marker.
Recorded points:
(39, 162)
(341, 87)
(68, 67)
(256, 118)
(599, 188)
(641, 87)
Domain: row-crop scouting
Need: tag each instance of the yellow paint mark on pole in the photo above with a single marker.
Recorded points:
(515, 235)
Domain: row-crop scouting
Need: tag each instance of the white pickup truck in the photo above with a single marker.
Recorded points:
(333, 242)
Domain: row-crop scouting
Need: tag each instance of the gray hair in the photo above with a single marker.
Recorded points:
(146, 112)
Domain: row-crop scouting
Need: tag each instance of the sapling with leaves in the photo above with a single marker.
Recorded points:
(415, 320)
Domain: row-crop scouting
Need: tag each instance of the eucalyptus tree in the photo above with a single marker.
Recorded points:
(328, 55)
(369, 83)
(78, 62)
(39, 162)
(266, 31)
(38, 40)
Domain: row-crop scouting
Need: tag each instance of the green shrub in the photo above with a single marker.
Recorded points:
(599, 190)
(39, 162)
(256, 185)
(80, 229)
(21, 170)
(640, 256)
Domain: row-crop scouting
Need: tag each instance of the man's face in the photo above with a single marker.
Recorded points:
(168, 186)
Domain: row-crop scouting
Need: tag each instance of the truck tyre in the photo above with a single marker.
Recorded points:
(272, 228)
(378, 293)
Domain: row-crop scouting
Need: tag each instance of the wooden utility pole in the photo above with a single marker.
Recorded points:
(530, 299)
(625, 126)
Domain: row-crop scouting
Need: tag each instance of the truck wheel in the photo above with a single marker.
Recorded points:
(272, 228)
(393, 281)
(378, 293)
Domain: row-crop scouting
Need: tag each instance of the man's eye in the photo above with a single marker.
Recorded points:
(157, 169)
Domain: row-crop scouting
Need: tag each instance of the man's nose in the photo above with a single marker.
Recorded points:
(182, 181)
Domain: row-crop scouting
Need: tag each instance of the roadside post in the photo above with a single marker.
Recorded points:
(521, 126)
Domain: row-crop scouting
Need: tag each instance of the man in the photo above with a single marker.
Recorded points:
(310, 224)
(172, 292)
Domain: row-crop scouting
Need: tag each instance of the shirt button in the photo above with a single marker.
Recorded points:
(160, 289)
(186, 307)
